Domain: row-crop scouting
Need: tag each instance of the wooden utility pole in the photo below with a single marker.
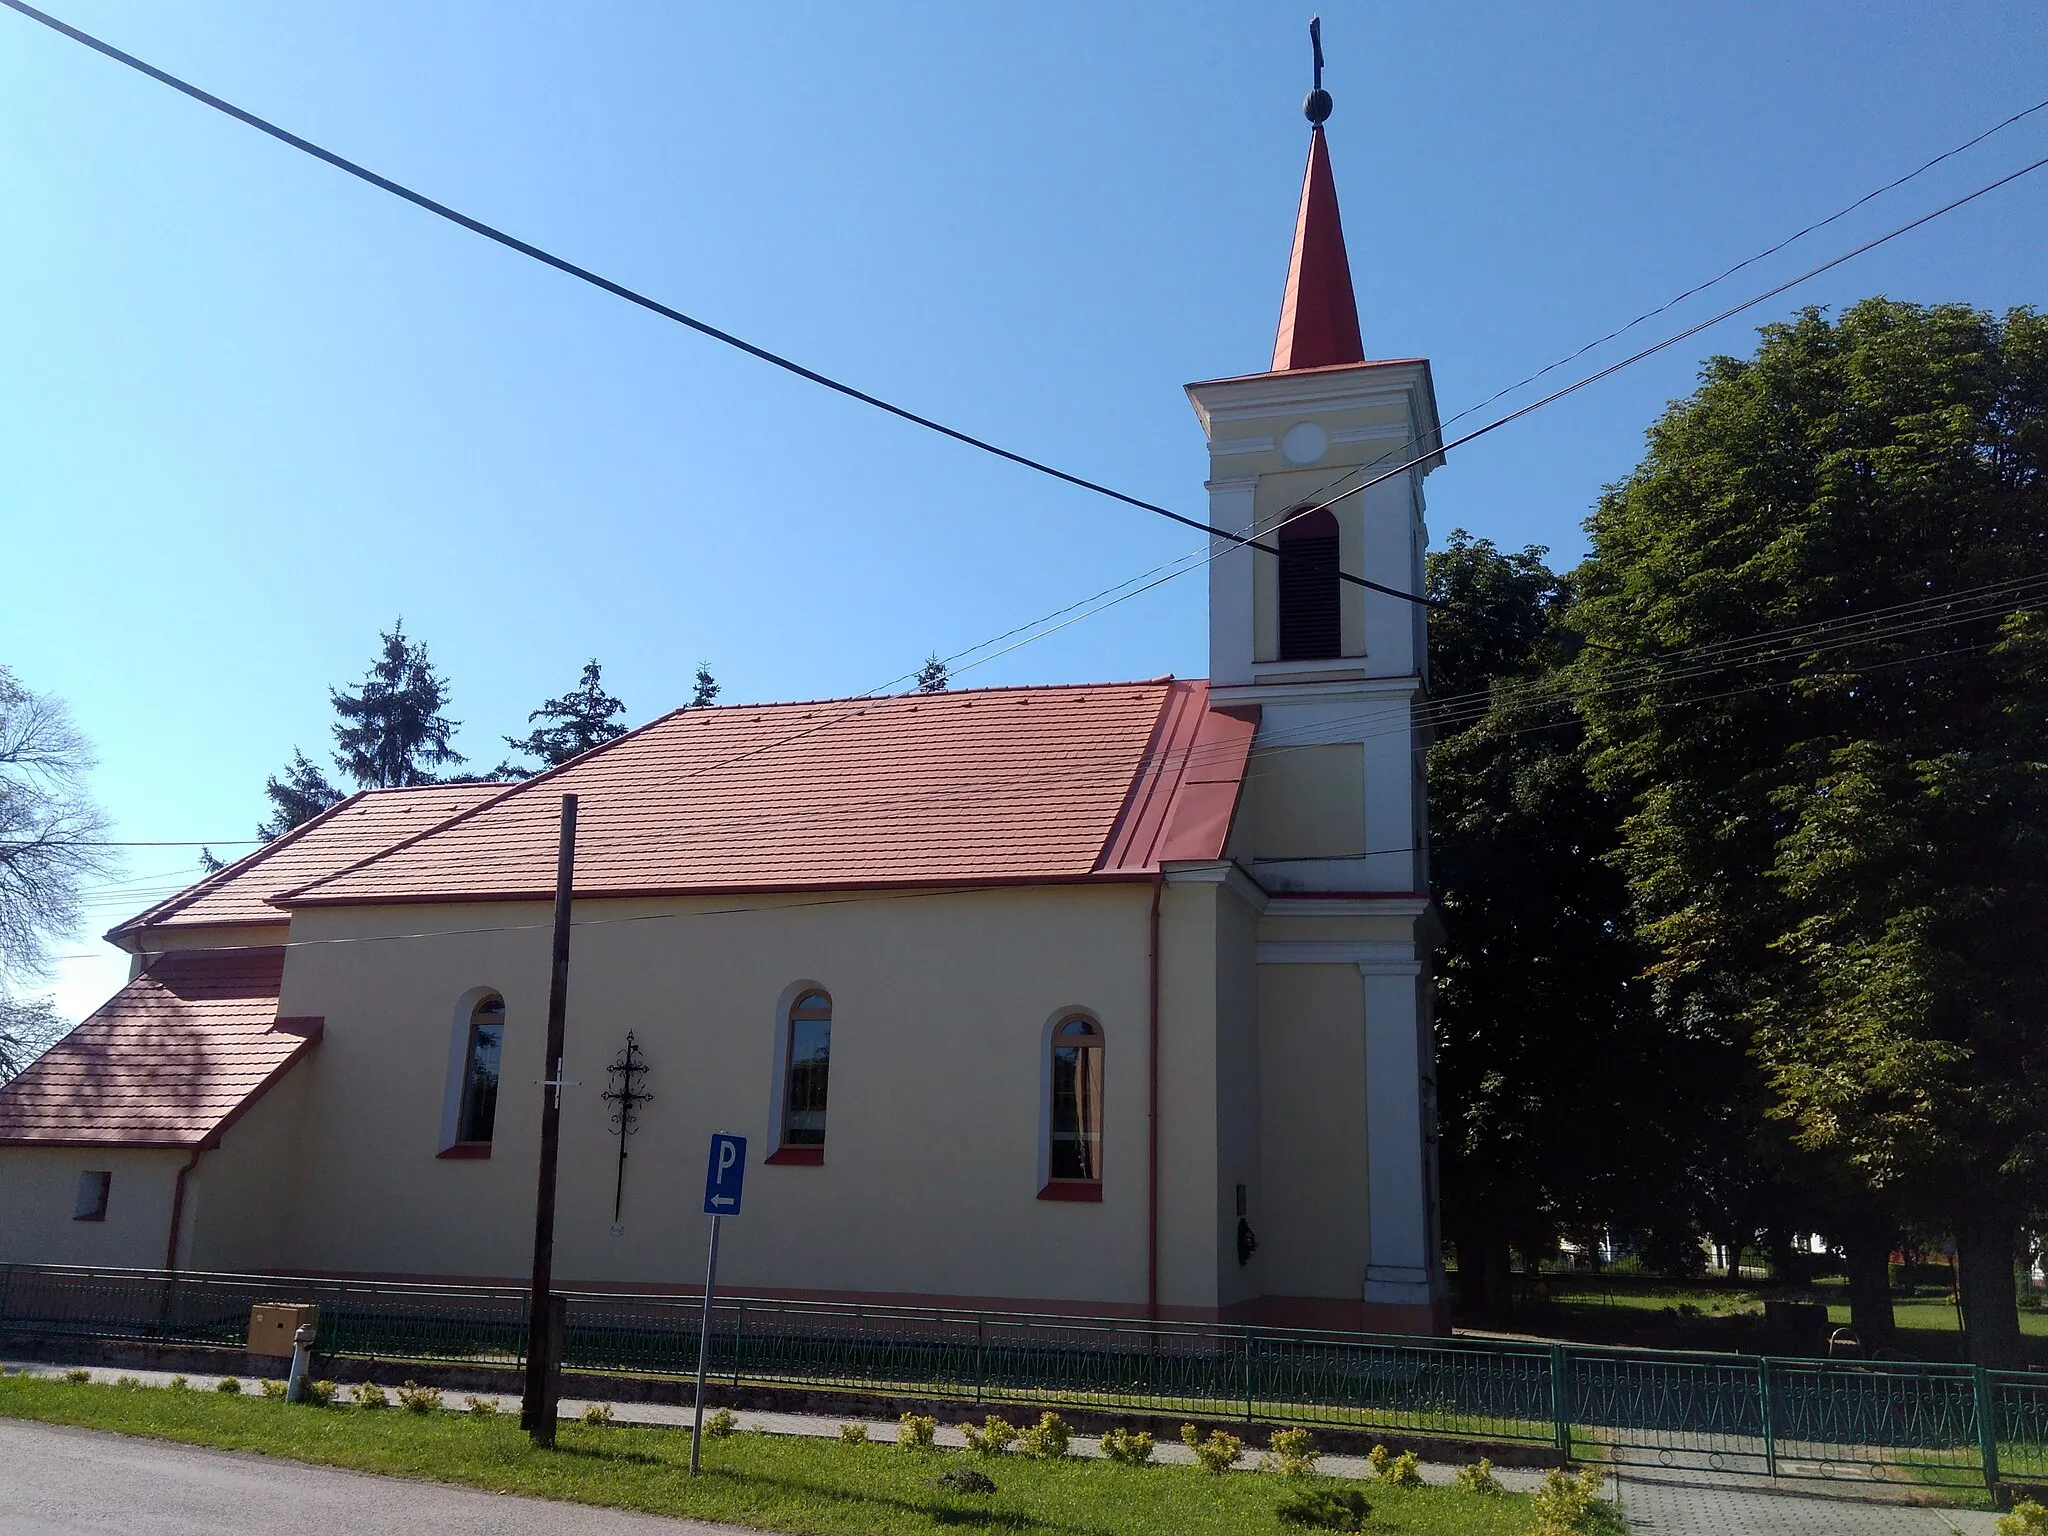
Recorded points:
(544, 1318)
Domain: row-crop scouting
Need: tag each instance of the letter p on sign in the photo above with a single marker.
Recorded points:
(725, 1175)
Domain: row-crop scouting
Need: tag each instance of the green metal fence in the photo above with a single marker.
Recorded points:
(1787, 1418)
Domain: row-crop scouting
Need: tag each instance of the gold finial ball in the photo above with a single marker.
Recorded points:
(1316, 106)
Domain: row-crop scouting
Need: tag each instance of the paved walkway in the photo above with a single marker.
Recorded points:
(58, 1481)
(1665, 1501)
(1676, 1503)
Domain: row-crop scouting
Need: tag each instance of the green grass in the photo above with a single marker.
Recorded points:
(781, 1483)
(1706, 1316)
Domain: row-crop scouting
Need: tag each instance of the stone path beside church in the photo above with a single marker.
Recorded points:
(1666, 1502)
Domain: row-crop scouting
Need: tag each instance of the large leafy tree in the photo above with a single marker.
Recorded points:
(583, 718)
(1559, 1088)
(1838, 837)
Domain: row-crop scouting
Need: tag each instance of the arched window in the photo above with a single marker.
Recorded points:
(477, 1111)
(1311, 617)
(1074, 1143)
(809, 1058)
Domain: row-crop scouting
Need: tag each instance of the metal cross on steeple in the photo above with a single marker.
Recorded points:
(1316, 105)
(629, 1066)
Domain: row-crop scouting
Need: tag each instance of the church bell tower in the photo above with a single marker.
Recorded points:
(1319, 460)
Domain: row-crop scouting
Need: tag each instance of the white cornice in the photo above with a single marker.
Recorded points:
(1395, 689)
(1223, 872)
(1232, 483)
(1294, 904)
(1225, 447)
(1373, 957)
(1406, 384)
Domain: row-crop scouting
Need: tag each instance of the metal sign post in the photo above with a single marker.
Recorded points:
(725, 1175)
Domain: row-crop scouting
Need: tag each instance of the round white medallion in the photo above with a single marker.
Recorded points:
(1304, 443)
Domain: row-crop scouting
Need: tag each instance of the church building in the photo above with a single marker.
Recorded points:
(1108, 999)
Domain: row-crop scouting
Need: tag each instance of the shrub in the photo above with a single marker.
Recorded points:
(1293, 1454)
(131, 1383)
(2027, 1519)
(1565, 1503)
(370, 1395)
(967, 1480)
(1049, 1438)
(180, 1384)
(1328, 1509)
(721, 1424)
(1131, 1447)
(598, 1415)
(1218, 1453)
(481, 1407)
(78, 1373)
(227, 1384)
(414, 1398)
(917, 1431)
(853, 1434)
(1479, 1478)
(320, 1394)
(995, 1436)
(1404, 1471)
(272, 1388)
(1380, 1458)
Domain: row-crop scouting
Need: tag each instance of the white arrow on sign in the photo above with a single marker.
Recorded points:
(721, 1199)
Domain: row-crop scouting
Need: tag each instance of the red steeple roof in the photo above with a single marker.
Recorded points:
(1318, 315)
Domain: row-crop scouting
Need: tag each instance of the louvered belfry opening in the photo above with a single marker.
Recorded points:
(1311, 623)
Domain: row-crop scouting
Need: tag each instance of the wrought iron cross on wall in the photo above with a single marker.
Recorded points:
(626, 1070)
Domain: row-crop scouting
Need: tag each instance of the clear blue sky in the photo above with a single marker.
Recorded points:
(251, 410)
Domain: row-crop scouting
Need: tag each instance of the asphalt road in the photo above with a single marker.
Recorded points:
(80, 1482)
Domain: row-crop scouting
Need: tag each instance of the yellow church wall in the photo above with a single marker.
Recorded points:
(39, 1192)
(1188, 1066)
(1237, 1153)
(941, 1005)
(1307, 802)
(241, 1205)
(1314, 1241)
(162, 940)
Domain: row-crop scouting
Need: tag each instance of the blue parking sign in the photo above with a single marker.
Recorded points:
(725, 1174)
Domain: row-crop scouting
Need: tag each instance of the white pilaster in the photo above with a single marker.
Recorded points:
(1231, 639)
(1403, 1267)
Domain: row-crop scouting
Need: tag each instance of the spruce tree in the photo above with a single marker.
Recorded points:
(391, 732)
(707, 687)
(932, 676)
(296, 798)
(581, 719)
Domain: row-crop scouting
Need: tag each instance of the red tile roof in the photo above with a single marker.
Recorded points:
(361, 825)
(169, 1061)
(996, 785)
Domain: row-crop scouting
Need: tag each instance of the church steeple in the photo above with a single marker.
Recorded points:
(1318, 313)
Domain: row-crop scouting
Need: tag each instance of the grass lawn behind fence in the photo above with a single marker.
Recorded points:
(1694, 1315)
(780, 1483)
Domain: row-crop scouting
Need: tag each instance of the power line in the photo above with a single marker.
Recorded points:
(1809, 640)
(1750, 261)
(668, 312)
(634, 296)
(942, 890)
